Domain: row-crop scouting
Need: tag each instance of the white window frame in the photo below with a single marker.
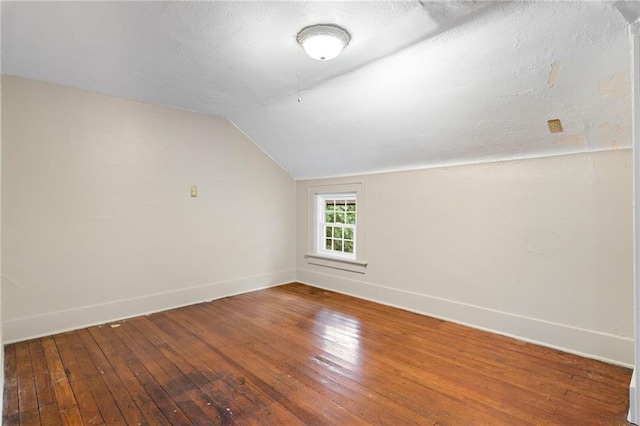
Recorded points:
(316, 254)
(321, 224)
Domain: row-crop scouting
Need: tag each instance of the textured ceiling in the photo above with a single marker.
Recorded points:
(420, 84)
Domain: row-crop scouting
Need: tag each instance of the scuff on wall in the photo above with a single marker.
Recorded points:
(617, 86)
(576, 140)
(542, 242)
(556, 67)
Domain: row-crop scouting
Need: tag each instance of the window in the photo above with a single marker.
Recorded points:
(336, 226)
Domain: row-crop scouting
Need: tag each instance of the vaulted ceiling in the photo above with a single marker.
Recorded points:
(421, 84)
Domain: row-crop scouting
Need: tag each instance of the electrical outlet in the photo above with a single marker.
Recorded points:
(555, 126)
(194, 191)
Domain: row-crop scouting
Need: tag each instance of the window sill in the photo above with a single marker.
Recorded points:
(351, 265)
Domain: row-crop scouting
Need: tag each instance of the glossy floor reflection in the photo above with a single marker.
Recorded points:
(298, 355)
(340, 335)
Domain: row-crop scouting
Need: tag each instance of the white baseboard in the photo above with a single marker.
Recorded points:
(20, 329)
(588, 343)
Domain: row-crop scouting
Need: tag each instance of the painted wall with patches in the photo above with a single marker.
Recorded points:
(98, 222)
(606, 131)
(540, 249)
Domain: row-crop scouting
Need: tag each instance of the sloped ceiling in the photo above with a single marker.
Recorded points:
(421, 83)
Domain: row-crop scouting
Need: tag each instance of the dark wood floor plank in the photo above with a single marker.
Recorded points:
(295, 354)
(95, 403)
(229, 406)
(404, 384)
(27, 397)
(516, 399)
(237, 392)
(309, 406)
(11, 412)
(67, 405)
(341, 390)
(93, 400)
(525, 410)
(125, 408)
(125, 363)
(46, 398)
(179, 387)
(404, 388)
(164, 389)
(239, 380)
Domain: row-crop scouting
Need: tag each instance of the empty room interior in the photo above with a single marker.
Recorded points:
(305, 212)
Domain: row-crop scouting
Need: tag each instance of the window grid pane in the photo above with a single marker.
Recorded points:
(339, 225)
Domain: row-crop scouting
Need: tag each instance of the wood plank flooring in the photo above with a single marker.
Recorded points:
(299, 355)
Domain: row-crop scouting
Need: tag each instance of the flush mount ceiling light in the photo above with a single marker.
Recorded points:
(323, 42)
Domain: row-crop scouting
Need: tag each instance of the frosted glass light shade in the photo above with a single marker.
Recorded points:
(323, 42)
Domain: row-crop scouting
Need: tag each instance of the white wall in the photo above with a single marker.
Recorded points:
(1, 345)
(634, 35)
(540, 249)
(97, 219)
(98, 225)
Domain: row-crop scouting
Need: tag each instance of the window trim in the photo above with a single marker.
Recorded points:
(321, 200)
(314, 255)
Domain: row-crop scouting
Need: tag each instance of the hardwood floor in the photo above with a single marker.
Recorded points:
(299, 355)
